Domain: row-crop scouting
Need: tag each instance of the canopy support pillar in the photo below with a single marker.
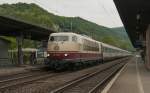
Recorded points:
(147, 57)
(20, 52)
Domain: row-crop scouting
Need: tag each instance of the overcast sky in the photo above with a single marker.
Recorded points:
(102, 12)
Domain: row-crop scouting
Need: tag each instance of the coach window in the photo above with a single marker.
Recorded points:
(74, 38)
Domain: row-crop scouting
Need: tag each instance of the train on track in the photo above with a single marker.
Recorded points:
(67, 50)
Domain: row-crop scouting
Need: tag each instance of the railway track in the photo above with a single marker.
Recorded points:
(24, 80)
(12, 76)
(89, 83)
(10, 85)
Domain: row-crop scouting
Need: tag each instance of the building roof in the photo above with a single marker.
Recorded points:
(25, 50)
(14, 27)
(135, 15)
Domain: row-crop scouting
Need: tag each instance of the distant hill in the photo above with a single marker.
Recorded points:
(120, 31)
(36, 15)
(122, 34)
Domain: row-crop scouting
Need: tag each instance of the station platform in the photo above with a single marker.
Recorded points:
(134, 78)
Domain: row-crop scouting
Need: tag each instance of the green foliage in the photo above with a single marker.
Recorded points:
(35, 15)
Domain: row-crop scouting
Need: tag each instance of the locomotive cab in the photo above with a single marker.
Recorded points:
(60, 42)
(62, 46)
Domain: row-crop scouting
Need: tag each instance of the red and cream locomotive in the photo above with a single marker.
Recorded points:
(67, 49)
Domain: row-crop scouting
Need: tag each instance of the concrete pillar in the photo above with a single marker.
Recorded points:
(148, 48)
(20, 53)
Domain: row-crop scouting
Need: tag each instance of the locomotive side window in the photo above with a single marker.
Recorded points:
(59, 38)
(90, 45)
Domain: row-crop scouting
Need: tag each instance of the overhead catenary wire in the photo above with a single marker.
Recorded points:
(115, 13)
(108, 12)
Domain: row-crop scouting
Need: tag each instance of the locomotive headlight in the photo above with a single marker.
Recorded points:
(48, 55)
(65, 55)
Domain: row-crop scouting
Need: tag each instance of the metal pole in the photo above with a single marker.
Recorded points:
(148, 48)
(71, 26)
(20, 53)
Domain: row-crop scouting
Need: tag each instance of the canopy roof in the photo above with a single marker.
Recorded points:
(135, 15)
(14, 27)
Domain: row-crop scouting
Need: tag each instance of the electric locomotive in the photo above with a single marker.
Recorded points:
(69, 49)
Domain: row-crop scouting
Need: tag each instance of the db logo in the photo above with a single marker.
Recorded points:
(56, 48)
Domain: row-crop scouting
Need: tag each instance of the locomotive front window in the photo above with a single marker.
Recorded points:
(74, 38)
(59, 38)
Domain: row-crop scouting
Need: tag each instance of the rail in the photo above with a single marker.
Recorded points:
(81, 79)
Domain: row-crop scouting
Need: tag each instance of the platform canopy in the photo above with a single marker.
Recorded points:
(14, 27)
(135, 15)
